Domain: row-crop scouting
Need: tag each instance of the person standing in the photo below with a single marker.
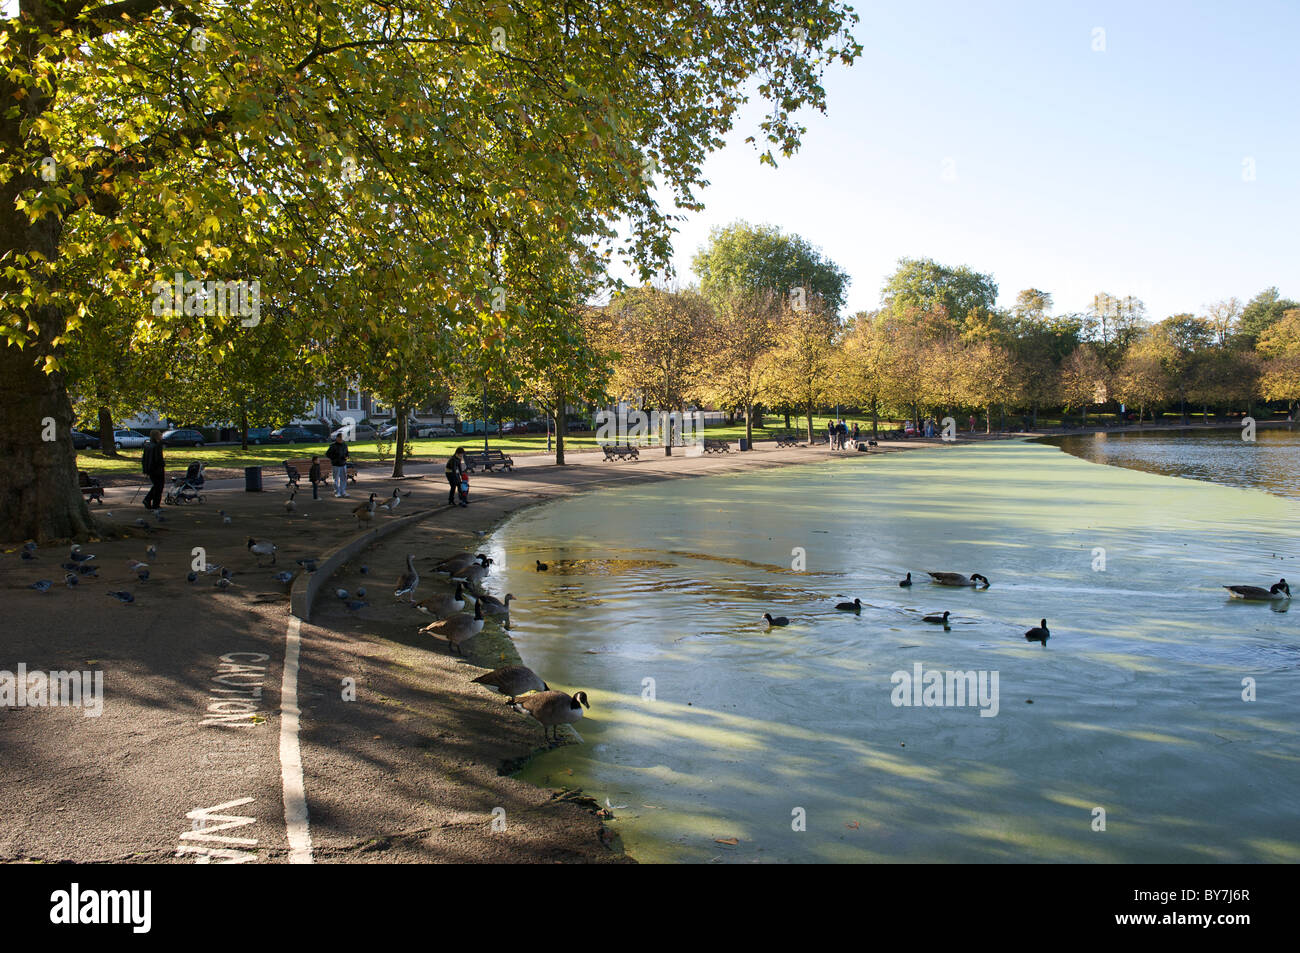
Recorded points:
(455, 474)
(153, 465)
(338, 456)
(830, 434)
(314, 475)
(857, 434)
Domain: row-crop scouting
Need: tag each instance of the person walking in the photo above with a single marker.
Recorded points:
(456, 473)
(338, 456)
(830, 434)
(153, 465)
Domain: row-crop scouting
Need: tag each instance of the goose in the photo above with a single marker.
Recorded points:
(408, 580)
(41, 585)
(472, 576)
(365, 512)
(1279, 590)
(260, 548)
(289, 504)
(461, 561)
(553, 709)
(938, 619)
(854, 606)
(1039, 633)
(541, 566)
(904, 583)
(957, 579)
(443, 606)
(457, 628)
(777, 621)
(123, 596)
(494, 606)
(391, 503)
(513, 680)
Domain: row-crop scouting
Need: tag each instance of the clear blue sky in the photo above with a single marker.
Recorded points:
(1075, 171)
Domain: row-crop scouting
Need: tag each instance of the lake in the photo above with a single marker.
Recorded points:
(706, 727)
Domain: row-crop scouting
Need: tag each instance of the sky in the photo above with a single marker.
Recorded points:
(1165, 165)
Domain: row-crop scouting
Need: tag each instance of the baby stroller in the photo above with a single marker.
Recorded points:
(187, 489)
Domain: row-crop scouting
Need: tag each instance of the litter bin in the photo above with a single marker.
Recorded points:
(744, 443)
(252, 479)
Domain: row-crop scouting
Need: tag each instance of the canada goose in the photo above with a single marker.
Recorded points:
(457, 628)
(1039, 633)
(904, 583)
(553, 709)
(541, 566)
(1279, 590)
(408, 580)
(513, 680)
(778, 621)
(41, 585)
(957, 579)
(260, 548)
(123, 597)
(460, 561)
(472, 576)
(289, 504)
(442, 606)
(494, 606)
(937, 619)
(854, 606)
(365, 512)
(391, 503)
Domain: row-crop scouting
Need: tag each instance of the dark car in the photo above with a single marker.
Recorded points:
(293, 435)
(81, 441)
(182, 438)
(259, 434)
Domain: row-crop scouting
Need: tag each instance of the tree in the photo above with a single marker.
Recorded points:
(1279, 345)
(1143, 379)
(801, 363)
(1113, 324)
(147, 137)
(1224, 317)
(1085, 380)
(1262, 312)
(744, 258)
(740, 333)
(990, 377)
(924, 285)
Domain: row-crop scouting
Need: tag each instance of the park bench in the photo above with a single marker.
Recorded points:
(615, 451)
(294, 470)
(716, 446)
(488, 460)
(786, 440)
(91, 488)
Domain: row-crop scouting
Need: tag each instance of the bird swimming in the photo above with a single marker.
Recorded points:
(541, 566)
(1279, 590)
(1039, 633)
(904, 583)
(553, 709)
(775, 621)
(937, 619)
(854, 606)
(957, 579)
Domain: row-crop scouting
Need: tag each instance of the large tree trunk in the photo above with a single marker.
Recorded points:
(787, 418)
(875, 420)
(561, 428)
(810, 423)
(749, 425)
(106, 443)
(399, 453)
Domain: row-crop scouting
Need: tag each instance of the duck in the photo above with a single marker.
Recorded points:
(457, 628)
(541, 566)
(904, 583)
(957, 579)
(1039, 633)
(513, 680)
(260, 548)
(938, 619)
(854, 606)
(553, 709)
(407, 581)
(391, 503)
(775, 621)
(1279, 590)
(443, 606)
(365, 512)
(289, 505)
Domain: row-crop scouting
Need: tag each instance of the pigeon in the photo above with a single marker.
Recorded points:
(226, 574)
(70, 579)
(289, 505)
(308, 564)
(361, 593)
(123, 596)
(341, 593)
(225, 517)
(158, 515)
(140, 521)
(364, 570)
(152, 552)
(143, 575)
(29, 546)
(70, 566)
(88, 571)
(135, 565)
(224, 583)
(191, 577)
(354, 604)
(77, 556)
(42, 585)
(284, 577)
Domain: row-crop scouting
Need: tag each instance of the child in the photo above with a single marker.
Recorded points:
(464, 489)
(314, 476)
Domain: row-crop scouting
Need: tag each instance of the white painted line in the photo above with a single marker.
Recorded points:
(295, 796)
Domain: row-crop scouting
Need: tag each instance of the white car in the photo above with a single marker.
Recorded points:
(128, 440)
(436, 430)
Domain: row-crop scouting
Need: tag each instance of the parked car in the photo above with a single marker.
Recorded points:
(259, 435)
(81, 441)
(387, 433)
(182, 438)
(128, 439)
(293, 435)
(360, 432)
(435, 430)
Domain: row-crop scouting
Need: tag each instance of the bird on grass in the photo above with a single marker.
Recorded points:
(409, 580)
(1279, 590)
(854, 606)
(938, 619)
(957, 579)
(458, 628)
(553, 709)
(775, 621)
(904, 583)
(1039, 633)
(123, 596)
(513, 680)
(41, 585)
(261, 548)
